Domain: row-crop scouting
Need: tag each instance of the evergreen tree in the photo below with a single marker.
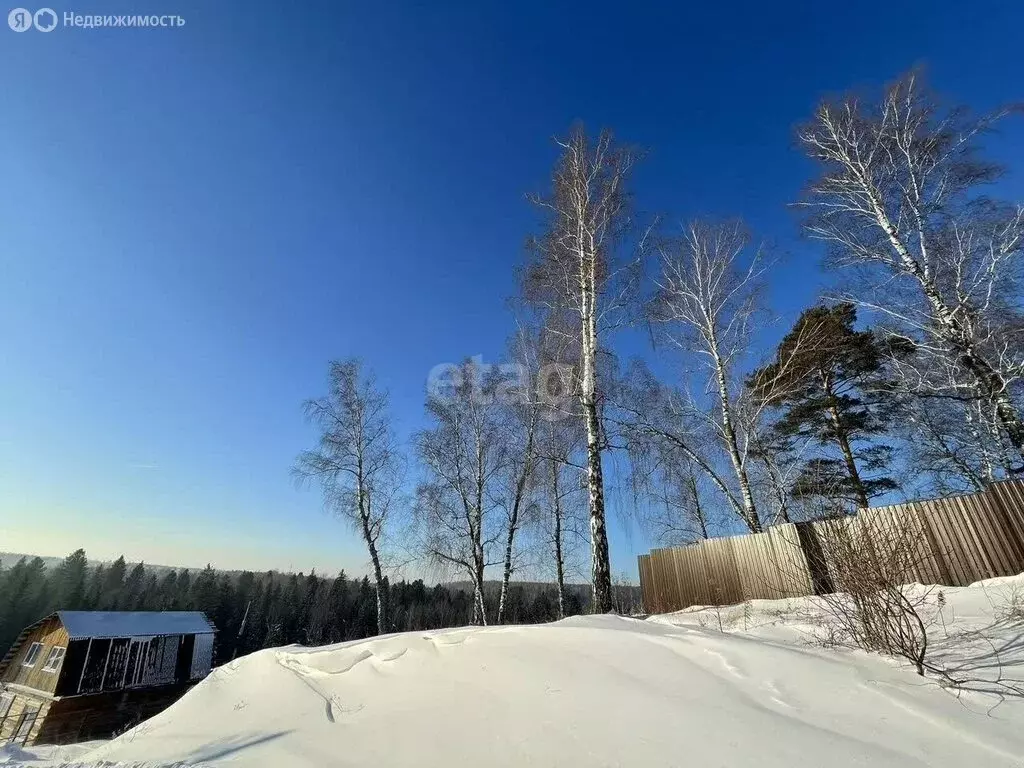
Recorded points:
(149, 599)
(204, 591)
(167, 596)
(23, 598)
(71, 581)
(132, 597)
(826, 379)
(183, 593)
(113, 585)
(307, 611)
(282, 608)
(337, 609)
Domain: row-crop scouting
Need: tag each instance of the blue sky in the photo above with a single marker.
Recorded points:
(193, 221)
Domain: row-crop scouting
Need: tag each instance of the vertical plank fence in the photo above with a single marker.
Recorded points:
(962, 539)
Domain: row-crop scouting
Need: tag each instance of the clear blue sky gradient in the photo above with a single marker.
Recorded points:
(193, 221)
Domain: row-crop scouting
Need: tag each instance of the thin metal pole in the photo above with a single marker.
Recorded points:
(85, 664)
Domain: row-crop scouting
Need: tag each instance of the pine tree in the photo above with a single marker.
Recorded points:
(70, 581)
(23, 599)
(167, 597)
(337, 606)
(132, 596)
(203, 596)
(113, 585)
(183, 592)
(828, 381)
(148, 600)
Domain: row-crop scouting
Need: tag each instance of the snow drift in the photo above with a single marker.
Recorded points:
(597, 690)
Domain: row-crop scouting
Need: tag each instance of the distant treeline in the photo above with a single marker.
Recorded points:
(282, 608)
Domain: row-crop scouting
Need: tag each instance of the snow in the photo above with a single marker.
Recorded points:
(45, 755)
(602, 690)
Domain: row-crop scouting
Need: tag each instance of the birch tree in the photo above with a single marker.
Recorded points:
(778, 458)
(577, 271)
(356, 462)
(678, 511)
(705, 302)
(664, 433)
(899, 196)
(951, 445)
(463, 454)
(521, 418)
(560, 485)
(561, 495)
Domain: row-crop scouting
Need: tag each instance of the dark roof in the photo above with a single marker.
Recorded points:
(83, 624)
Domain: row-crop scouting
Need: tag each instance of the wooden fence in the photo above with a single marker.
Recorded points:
(960, 540)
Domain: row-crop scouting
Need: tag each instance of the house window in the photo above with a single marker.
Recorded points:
(54, 659)
(6, 700)
(28, 719)
(33, 655)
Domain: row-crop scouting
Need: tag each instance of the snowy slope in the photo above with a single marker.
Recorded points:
(585, 691)
(975, 633)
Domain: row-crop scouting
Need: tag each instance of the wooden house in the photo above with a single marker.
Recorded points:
(78, 675)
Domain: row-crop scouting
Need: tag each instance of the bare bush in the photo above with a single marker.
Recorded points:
(872, 563)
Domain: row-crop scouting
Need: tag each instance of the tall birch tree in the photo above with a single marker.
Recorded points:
(900, 197)
(356, 462)
(521, 416)
(704, 303)
(463, 454)
(577, 270)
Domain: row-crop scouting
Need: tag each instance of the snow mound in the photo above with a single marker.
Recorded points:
(598, 690)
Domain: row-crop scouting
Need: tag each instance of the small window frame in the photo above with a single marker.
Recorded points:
(23, 729)
(34, 652)
(6, 702)
(55, 658)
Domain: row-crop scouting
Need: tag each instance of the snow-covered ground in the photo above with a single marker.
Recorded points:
(603, 690)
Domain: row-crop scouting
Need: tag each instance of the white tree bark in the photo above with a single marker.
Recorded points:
(898, 195)
(463, 456)
(704, 303)
(357, 463)
(575, 273)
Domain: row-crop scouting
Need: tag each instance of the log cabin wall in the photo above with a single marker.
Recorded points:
(21, 716)
(102, 715)
(95, 686)
(50, 634)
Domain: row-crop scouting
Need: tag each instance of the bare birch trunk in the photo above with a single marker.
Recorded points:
(698, 509)
(559, 557)
(479, 605)
(739, 466)
(479, 610)
(379, 581)
(513, 521)
(357, 463)
(577, 272)
(600, 568)
(479, 563)
(907, 170)
(506, 575)
(990, 383)
(363, 504)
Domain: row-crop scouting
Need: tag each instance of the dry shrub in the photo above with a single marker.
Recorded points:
(872, 562)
